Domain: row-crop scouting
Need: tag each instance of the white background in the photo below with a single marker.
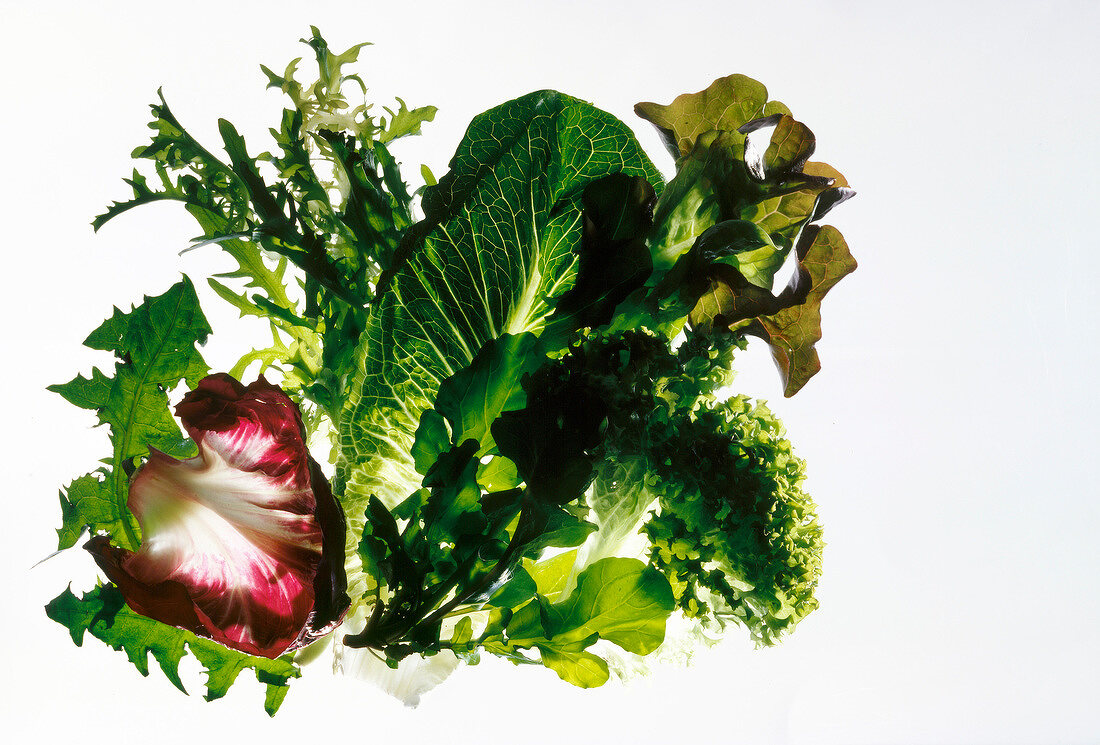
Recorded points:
(949, 437)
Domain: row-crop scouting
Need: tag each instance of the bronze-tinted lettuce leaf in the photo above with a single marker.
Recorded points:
(727, 104)
(789, 322)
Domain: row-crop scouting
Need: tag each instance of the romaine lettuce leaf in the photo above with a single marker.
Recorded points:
(497, 246)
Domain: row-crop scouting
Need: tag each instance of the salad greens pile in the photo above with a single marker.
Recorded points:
(523, 370)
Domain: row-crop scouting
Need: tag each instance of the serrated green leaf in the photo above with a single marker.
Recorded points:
(103, 614)
(405, 121)
(87, 393)
(156, 346)
(89, 500)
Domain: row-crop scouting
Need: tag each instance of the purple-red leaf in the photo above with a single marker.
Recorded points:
(243, 543)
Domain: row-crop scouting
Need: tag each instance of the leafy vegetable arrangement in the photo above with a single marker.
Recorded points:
(522, 371)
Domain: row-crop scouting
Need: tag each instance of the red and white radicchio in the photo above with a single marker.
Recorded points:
(243, 543)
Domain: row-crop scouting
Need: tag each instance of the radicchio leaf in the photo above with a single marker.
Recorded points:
(243, 543)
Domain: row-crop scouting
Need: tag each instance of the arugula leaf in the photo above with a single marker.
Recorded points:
(475, 396)
(582, 669)
(155, 344)
(622, 600)
(552, 574)
(103, 614)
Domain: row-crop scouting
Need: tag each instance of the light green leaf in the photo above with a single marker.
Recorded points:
(551, 575)
(404, 121)
(582, 669)
(622, 600)
(498, 474)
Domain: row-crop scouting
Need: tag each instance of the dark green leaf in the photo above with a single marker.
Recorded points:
(454, 507)
(517, 590)
(726, 104)
(432, 438)
(614, 259)
(558, 529)
(475, 396)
